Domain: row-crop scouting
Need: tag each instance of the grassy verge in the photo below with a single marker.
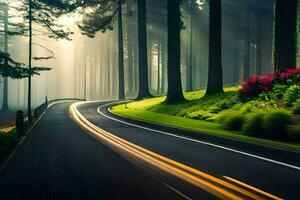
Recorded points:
(9, 138)
(197, 114)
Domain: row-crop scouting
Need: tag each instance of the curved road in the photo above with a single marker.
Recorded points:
(59, 160)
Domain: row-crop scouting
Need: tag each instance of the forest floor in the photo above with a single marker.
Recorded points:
(204, 114)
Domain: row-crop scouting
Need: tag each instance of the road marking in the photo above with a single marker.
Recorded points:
(253, 188)
(176, 191)
(197, 141)
(213, 185)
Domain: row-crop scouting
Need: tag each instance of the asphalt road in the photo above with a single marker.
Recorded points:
(60, 161)
(273, 178)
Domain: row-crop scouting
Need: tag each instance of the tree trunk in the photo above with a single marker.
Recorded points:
(158, 65)
(29, 113)
(121, 52)
(189, 82)
(130, 51)
(149, 51)
(247, 48)
(5, 81)
(259, 47)
(175, 93)
(215, 72)
(164, 64)
(143, 86)
(236, 73)
(285, 34)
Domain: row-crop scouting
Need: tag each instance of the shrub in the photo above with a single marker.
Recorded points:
(7, 142)
(289, 74)
(293, 133)
(201, 115)
(233, 121)
(253, 124)
(275, 122)
(223, 115)
(255, 85)
(291, 95)
(279, 90)
(296, 109)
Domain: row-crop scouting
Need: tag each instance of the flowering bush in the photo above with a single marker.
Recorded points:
(289, 74)
(255, 85)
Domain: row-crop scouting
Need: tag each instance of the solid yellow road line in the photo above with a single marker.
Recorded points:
(215, 190)
(253, 188)
(177, 169)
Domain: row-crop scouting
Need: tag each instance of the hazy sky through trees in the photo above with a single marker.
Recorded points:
(96, 60)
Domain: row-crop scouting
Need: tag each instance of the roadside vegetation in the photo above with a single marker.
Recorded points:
(9, 138)
(265, 107)
(8, 141)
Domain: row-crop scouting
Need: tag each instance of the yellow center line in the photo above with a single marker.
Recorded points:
(190, 169)
(178, 169)
(219, 192)
(253, 188)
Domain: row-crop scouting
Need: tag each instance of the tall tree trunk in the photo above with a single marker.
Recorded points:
(5, 81)
(150, 62)
(143, 86)
(247, 47)
(158, 65)
(175, 93)
(164, 64)
(189, 82)
(236, 73)
(130, 51)
(259, 47)
(109, 67)
(121, 52)
(29, 113)
(215, 72)
(285, 34)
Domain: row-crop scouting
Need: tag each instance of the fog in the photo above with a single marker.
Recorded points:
(87, 68)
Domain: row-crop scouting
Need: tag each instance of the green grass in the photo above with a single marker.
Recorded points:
(8, 140)
(196, 125)
(199, 114)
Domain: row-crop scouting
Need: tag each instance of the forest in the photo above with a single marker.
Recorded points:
(149, 99)
(228, 64)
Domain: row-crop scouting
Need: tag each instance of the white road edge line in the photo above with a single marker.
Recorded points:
(197, 141)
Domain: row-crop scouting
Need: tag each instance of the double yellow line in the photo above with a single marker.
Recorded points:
(218, 187)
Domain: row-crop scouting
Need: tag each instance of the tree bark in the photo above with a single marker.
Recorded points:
(29, 113)
(130, 51)
(259, 47)
(189, 82)
(143, 86)
(247, 48)
(158, 65)
(215, 71)
(121, 52)
(285, 34)
(175, 93)
(5, 80)
(164, 64)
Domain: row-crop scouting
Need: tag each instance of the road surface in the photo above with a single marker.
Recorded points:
(62, 160)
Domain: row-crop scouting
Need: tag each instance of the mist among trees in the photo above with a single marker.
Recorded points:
(137, 49)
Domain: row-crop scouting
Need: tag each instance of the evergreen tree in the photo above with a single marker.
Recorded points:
(175, 93)
(285, 34)
(215, 74)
